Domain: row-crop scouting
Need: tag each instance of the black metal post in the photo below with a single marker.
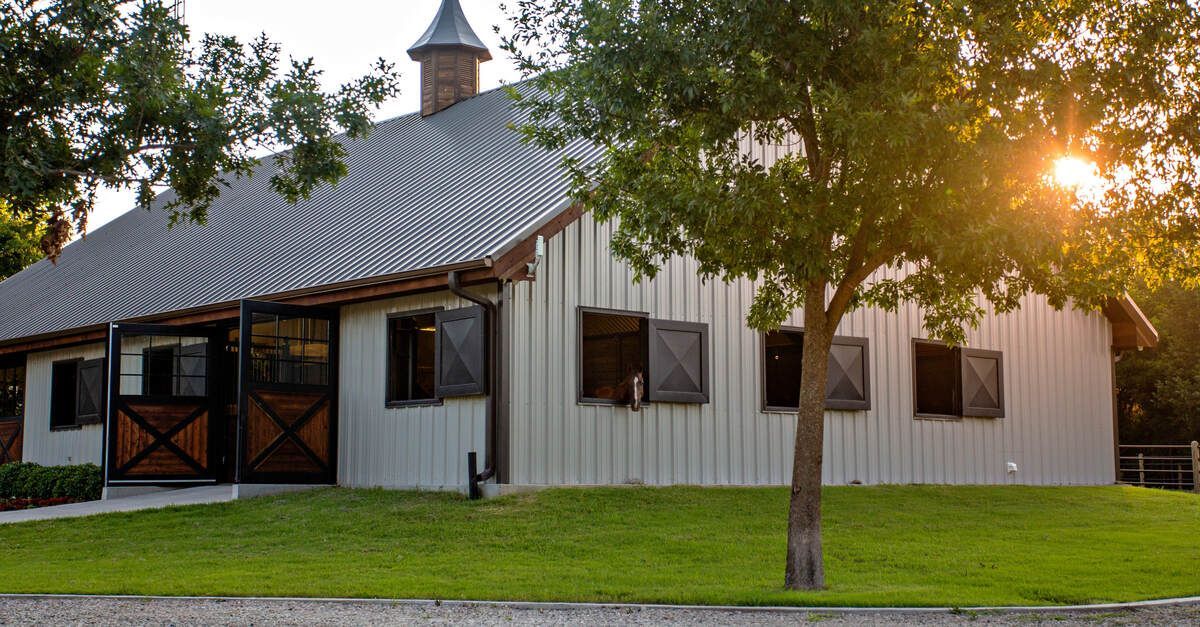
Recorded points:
(472, 478)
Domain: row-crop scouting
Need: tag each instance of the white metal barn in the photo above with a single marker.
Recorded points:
(446, 298)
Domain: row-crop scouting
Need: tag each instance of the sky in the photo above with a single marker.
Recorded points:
(344, 38)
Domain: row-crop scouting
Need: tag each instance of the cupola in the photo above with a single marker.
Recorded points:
(449, 53)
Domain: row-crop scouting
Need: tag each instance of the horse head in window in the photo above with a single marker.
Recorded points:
(634, 387)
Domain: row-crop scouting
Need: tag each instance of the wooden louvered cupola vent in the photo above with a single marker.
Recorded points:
(449, 53)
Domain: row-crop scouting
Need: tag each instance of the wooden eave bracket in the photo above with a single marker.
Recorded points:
(1131, 329)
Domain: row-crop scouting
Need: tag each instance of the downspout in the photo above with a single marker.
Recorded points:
(1116, 416)
(493, 329)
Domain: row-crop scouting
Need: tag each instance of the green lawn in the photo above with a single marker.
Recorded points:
(909, 545)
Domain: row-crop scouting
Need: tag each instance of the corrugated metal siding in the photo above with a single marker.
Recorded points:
(411, 447)
(767, 154)
(1057, 380)
(57, 448)
(421, 192)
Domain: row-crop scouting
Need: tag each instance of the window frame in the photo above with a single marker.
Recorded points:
(387, 356)
(17, 365)
(960, 403)
(74, 423)
(281, 367)
(957, 383)
(643, 345)
(830, 404)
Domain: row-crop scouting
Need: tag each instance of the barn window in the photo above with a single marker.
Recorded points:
(164, 365)
(289, 350)
(935, 368)
(949, 382)
(847, 385)
(12, 391)
(611, 346)
(410, 366)
(672, 357)
(63, 382)
(76, 392)
(436, 354)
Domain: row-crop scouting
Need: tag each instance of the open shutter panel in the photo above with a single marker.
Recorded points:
(982, 383)
(849, 383)
(89, 398)
(193, 370)
(460, 352)
(678, 362)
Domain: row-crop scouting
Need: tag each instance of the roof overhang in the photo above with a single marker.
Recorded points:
(1131, 329)
(473, 273)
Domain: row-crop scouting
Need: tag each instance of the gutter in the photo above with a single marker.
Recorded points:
(492, 374)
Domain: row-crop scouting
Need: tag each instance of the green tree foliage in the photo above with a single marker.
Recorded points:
(20, 243)
(1158, 390)
(113, 92)
(928, 132)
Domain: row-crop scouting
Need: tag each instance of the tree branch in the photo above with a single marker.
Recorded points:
(854, 278)
(110, 179)
(806, 126)
(145, 147)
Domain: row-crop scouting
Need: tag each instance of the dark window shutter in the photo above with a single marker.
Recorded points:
(460, 352)
(193, 370)
(982, 383)
(89, 397)
(677, 362)
(849, 383)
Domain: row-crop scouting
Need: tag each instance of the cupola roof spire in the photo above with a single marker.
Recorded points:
(450, 28)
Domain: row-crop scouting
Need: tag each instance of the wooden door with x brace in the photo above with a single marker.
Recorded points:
(287, 402)
(159, 427)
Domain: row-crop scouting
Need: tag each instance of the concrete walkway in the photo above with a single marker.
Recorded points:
(155, 500)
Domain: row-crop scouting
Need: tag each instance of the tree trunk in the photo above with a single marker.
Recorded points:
(805, 562)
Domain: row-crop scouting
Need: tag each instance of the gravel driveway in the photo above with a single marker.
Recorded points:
(103, 611)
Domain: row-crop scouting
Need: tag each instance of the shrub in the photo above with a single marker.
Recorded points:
(81, 482)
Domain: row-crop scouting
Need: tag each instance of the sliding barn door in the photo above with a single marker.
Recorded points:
(159, 416)
(288, 401)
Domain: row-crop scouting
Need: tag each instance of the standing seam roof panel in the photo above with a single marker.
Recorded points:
(420, 193)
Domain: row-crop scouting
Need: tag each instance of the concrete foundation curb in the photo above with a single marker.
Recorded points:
(557, 605)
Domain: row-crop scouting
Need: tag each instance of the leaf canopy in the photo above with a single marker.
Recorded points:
(113, 92)
(918, 135)
(19, 244)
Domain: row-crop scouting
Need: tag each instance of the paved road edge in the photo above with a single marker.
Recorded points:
(559, 605)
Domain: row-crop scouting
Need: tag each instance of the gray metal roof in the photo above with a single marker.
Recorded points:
(421, 193)
(450, 28)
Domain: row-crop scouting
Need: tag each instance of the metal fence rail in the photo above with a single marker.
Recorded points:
(1169, 466)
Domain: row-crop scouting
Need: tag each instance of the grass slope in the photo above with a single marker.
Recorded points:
(884, 546)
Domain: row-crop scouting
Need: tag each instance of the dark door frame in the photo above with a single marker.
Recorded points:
(114, 400)
(246, 387)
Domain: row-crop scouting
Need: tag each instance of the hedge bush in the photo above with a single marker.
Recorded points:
(81, 482)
